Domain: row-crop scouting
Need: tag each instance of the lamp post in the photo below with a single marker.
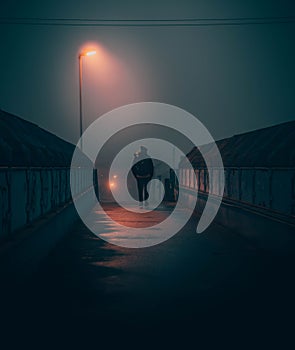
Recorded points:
(81, 55)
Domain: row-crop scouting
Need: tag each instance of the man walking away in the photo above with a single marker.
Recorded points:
(143, 170)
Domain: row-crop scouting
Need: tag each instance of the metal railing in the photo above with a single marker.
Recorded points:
(269, 188)
(27, 194)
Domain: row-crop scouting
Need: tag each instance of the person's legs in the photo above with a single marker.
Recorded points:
(140, 185)
(145, 191)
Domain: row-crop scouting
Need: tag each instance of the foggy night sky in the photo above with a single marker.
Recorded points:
(234, 79)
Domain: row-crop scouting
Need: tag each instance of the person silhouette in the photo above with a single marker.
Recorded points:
(143, 170)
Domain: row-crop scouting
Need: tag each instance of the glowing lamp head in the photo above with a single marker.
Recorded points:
(87, 53)
(90, 53)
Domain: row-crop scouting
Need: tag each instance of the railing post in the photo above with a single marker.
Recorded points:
(270, 188)
(8, 215)
(253, 186)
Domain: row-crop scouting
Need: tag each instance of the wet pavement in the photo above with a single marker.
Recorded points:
(212, 285)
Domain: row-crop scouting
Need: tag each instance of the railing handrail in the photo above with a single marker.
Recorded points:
(242, 168)
(3, 168)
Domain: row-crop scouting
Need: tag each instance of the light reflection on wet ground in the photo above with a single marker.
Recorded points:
(131, 229)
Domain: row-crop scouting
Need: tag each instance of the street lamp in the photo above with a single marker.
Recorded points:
(81, 55)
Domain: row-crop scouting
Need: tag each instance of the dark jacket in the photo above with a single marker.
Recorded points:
(142, 168)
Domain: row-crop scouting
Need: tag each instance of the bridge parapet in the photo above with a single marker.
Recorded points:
(27, 194)
(267, 188)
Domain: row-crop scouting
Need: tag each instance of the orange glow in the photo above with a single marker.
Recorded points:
(112, 185)
(109, 81)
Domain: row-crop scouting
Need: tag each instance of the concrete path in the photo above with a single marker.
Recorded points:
(216, 284)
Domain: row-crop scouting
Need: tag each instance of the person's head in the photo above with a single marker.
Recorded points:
(143, 149)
